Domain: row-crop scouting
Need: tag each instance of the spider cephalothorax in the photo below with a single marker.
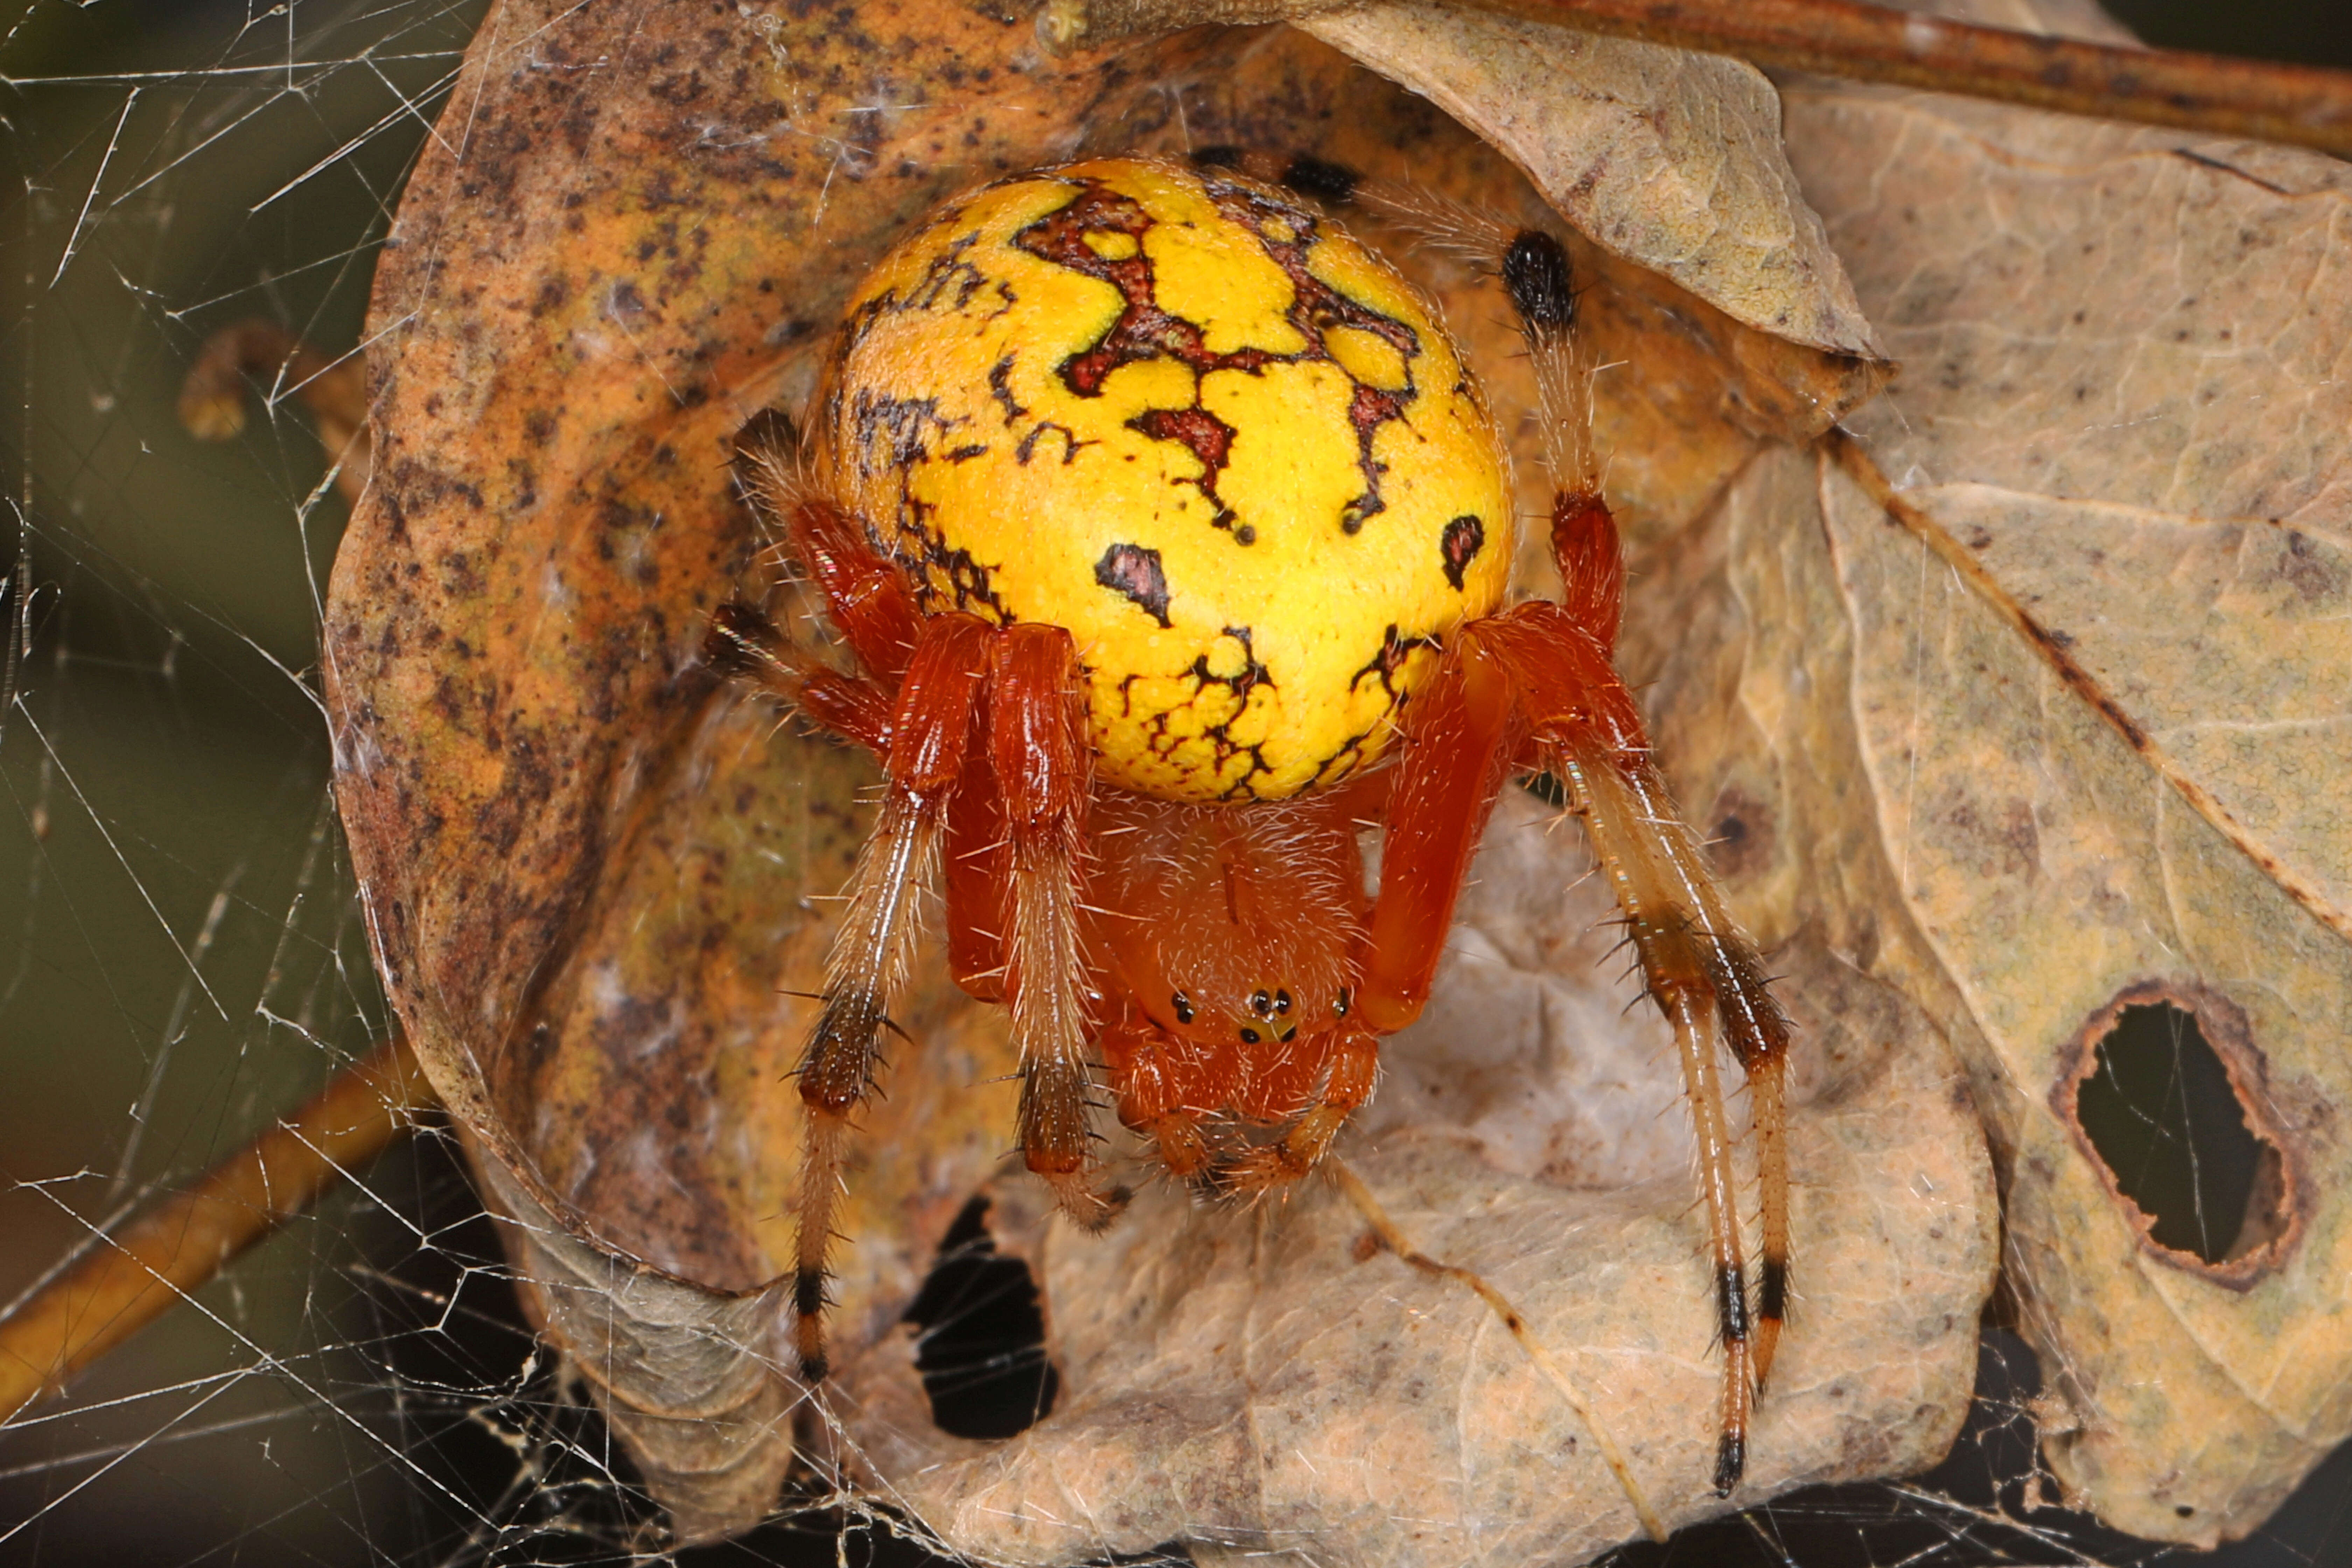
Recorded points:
(1170, 537)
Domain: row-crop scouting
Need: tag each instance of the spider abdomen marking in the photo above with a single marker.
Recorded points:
(1190, 420)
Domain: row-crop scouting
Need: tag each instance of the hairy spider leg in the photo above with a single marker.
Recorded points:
(1042, 764)
(867, 597)
(931, 725)
(746, 644)
(1700, 969)
(1585, 729)
(1557, 664)
(1585, 545)
(979, 890)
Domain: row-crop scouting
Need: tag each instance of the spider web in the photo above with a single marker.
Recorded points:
(181, 958)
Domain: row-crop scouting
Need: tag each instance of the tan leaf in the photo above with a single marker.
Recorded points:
(1666, 159)
(1264, 1377)
(590, 872)
(2101, 680)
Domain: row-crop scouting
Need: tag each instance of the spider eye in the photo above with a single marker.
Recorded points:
(1261, 1003)
(1340, 1006)
(1249, 1036)
(1184, 1005)
(1282, 1001)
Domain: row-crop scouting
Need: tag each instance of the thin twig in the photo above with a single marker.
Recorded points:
(126, 1280)
(2307, 106)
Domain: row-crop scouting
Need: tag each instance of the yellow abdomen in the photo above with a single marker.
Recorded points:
(1190, 419)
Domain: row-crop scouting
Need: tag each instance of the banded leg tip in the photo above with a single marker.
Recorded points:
(1730, 1463)
(808, 1305)
(1092, 1210)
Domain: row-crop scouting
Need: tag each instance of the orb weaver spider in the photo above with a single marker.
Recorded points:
(1170, 537)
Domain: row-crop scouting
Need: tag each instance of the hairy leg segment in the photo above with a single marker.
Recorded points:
(1536, 686)
(982, 739)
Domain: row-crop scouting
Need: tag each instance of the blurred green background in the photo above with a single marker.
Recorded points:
(179, 954)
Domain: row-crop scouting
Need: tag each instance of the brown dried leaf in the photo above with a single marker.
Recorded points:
(2101, 680)
(588, 871)
(1264, 1378)
(1666, 159)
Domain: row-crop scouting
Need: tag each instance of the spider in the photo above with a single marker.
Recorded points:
(1171, 538)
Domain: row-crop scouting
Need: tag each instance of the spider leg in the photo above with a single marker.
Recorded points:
(1043, 763)
(978, 878)
(1585, 545)
(1699, 967)
(865, 595)
(1457, 750)
(1537, 673)
(929, 734)
(747, 646)
(1695, 964)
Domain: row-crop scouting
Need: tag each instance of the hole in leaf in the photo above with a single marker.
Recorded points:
(981, 1349)
(2161, 1111)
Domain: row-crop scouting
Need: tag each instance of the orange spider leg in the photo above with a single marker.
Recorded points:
(1585, 545)
(929, 734)
(977, 881)
(1560, 659)
(745, 643)
(1453, 765)
(1696, 965)
(865, 595)
(1043, 763)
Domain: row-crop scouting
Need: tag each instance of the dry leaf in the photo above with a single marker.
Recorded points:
(1265, 1378)
(589, 870)
(1666, 159)
(2099, 682)
(586, 868)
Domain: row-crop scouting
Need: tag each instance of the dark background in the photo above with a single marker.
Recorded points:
(178, 957)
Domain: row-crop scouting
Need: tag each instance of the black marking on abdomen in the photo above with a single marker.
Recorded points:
(1210, 441)
(1459, 545)
(1133, 571)
(1000, 385)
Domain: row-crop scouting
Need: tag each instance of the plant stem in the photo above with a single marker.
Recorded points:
(125, 1280)
(2307, 106)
